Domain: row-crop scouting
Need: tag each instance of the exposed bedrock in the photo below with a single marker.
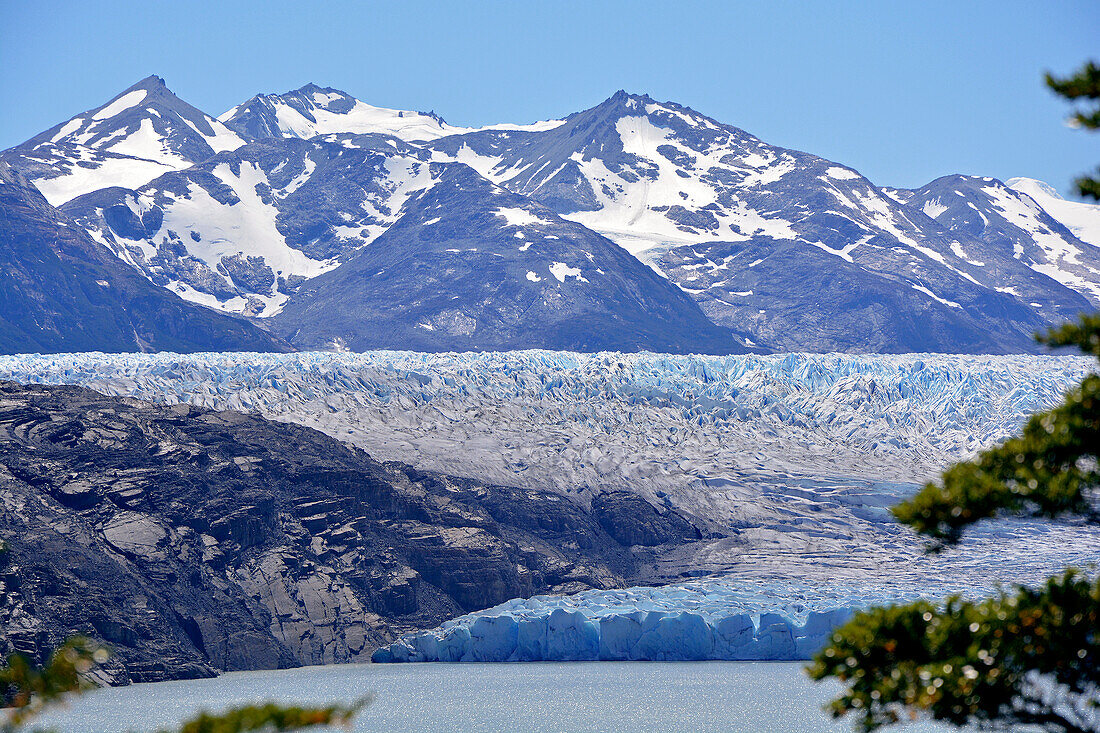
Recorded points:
(194, 541)
(632, 520)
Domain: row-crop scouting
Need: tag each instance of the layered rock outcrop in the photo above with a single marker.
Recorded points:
(195, 541)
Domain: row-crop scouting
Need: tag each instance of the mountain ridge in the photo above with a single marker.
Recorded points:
(735, 223)
(64, 292)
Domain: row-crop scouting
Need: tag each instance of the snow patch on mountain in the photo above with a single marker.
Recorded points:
(247, 227)
(126, 101)
(142, 133)
(517, 217)
(560, 271)
(1083, 219)
(87, 170)
(313, 110)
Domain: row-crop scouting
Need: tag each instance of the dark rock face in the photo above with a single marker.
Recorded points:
(790, 297)
(61, 291)
(195, 541)
(632, 520)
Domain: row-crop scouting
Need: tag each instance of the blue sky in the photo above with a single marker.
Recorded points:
(902, 91)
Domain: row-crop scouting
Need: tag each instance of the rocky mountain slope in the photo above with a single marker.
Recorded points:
(470, 266)
(61, 291)
(1014, 227)
(242, 230)
(194, 540)
(781, 249)
(138, 135)
(797, 251)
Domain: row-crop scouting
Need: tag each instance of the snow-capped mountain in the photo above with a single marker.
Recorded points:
(426, 255)
(652, 176)
(313, 110)
(243, 229)
(138, 135)
(1014, 226)
(1080, 218)
(471, 266)
(782, 249)
(60, 291)
(744, 226)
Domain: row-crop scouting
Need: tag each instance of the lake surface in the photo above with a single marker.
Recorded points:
(748, 697)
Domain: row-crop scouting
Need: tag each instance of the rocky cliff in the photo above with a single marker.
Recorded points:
(195, 541)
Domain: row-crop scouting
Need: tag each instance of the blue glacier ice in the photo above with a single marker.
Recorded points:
(565, 420)
(718, 618)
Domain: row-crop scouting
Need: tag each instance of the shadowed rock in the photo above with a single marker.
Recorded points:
(195, 541)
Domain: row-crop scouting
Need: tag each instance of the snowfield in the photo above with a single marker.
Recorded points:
(788, 464)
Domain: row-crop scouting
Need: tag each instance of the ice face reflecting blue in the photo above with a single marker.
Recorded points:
(715, 618)
(696, 621)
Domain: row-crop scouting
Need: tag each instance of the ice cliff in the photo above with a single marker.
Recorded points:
(703, 619)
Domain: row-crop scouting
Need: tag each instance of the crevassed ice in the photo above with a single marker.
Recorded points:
(563, 419)
(788, 464)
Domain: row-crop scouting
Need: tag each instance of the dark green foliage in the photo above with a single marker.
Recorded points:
(1083, 85)
(964, 662)
(271, 717)
(1049, 471)
(27, 690)
(968, 662)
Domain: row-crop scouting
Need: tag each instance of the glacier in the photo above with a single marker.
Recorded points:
(685, 622)
(787, 463)
(711, 619)
(569, 420)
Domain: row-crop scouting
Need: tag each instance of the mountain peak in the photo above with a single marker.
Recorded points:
(311, 89)
(1031, 184)
(150, 82)
(154, 86)
(313, 110)
(629, 99)
(140, 133)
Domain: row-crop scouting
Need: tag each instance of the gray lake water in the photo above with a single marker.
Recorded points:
(753, 697)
